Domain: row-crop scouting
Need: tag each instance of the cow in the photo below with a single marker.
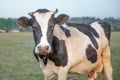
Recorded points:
(62, 47)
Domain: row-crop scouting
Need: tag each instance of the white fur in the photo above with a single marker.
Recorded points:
(41, 63)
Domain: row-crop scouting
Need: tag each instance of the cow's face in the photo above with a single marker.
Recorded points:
(42, 22)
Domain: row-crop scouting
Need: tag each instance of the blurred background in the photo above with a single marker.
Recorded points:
(80, 11)
(17, 61)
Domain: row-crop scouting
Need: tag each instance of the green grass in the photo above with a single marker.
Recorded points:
(115, 54)
(17, 61)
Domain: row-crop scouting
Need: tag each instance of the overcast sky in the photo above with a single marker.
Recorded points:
(74, 8)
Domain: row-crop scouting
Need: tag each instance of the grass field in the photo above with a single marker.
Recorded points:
(18, 63)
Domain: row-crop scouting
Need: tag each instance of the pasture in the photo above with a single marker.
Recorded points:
(17, 61)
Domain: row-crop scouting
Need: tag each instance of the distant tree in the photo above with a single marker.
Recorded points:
(86, 20)
(3, 23)
(75, 20)
(115, 23)
(6, 24)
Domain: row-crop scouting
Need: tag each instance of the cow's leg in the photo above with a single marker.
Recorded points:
(92, 76)
(50, 77)
(62, 74)
(102, 73)
(48, 73)
(107, 63)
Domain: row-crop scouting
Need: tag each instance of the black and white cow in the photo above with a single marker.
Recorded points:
(62, 47)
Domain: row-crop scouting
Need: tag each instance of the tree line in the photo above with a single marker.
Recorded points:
(7, 23)
(115, 23)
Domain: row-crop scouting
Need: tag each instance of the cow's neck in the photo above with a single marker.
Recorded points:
(59, 32)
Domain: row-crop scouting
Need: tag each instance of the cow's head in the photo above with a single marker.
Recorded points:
(42, 22)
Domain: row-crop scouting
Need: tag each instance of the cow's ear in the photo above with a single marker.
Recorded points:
(62, 18)
(23, 21)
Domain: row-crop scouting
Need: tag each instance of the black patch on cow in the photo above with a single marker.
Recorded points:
(66, 31)
(107, 29)
(44, 58)
(88, 31)
(36, 56)
(50, 30)
(91, 54)
(42, 10)
(37, 36)
(59, 55)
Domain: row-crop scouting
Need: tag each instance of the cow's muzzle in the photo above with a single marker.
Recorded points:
(43, 50)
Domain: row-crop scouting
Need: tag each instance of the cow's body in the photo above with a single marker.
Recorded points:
(77, 48)
(77, 45)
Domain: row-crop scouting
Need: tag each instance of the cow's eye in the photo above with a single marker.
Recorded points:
(35, 28)
(51, 27)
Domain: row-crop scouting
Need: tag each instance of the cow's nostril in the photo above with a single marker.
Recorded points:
(46, 48)
(39, 47)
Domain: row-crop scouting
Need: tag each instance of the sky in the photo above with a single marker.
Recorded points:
(73, 8)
